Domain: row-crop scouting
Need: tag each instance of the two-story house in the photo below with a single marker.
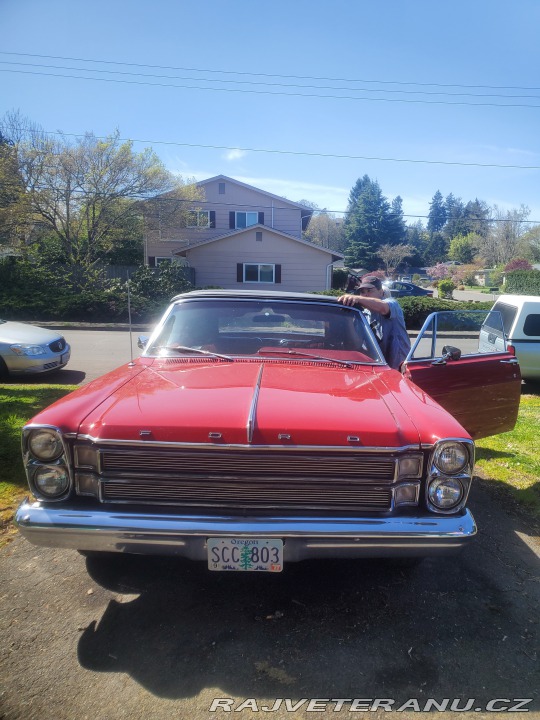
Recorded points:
(239, 236)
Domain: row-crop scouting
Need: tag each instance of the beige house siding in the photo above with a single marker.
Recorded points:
(278, 214)
(303, 268)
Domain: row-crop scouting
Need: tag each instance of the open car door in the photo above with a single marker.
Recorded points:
(481, 390)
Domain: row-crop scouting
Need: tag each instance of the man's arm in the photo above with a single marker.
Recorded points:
(369, 303)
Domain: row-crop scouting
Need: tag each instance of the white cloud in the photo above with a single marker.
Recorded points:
(232, 155)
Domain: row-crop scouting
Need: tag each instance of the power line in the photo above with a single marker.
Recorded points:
(278, 93)
(255, 74)
(307, 154)
(199, 203)
(268, 84)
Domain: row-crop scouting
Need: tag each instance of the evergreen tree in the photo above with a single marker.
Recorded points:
(437, 214)
(476, 216)
(397, 230)
(455, 217)
(370, 223)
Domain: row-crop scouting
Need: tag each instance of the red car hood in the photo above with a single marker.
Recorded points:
(301, 403)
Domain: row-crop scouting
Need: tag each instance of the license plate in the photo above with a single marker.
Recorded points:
(245, 554)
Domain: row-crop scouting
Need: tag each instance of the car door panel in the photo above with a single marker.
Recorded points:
(481, 391)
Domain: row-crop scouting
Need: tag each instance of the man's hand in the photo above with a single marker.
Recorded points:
(350, 300)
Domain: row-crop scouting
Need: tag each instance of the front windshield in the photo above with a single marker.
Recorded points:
(264, 328)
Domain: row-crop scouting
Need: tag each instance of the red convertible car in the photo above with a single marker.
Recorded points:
(262, 428)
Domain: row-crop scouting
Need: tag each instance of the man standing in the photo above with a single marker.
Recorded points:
(386, 313)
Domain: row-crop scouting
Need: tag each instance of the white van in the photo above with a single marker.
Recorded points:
(519, 316)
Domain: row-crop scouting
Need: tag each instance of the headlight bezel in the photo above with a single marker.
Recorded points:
(460, 474)
(59, 460)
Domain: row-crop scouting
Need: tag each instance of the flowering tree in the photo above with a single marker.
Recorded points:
(518, 264)
(438, 271)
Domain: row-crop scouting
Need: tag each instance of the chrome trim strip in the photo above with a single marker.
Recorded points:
(73, 526)
(250, 427)
(256, 448)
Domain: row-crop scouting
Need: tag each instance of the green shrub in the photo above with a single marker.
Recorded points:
(523, 282)
(416, 309)
(33, 291)
(446, 288)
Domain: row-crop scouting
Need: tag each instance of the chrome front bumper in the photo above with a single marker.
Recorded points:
(104, 530)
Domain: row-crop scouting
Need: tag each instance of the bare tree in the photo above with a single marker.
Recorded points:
(503, 241)
(392, 255)
(83, 190)
(325, 230)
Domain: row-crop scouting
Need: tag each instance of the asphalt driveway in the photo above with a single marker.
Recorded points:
(162, 638)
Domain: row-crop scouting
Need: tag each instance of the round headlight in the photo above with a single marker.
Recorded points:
(45, 444)
(51, 481)
(445, 493)
(451, 457)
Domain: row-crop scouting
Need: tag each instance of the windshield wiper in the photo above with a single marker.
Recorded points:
(198, 351)
(299, 353)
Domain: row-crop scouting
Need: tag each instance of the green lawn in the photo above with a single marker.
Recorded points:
(511, 459)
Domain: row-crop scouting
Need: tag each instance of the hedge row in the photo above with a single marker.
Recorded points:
(523, 282)
(38, 292)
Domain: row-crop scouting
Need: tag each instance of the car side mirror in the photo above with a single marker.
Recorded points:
(142, 341)
(451, 353)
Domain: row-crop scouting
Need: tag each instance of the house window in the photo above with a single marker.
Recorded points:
(241, 220)
(198, 218)
(259, 273)
(246, 219)
(221, 188)
(258, 236)
(163, 261)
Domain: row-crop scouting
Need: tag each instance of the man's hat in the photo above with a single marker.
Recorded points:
(369, 282)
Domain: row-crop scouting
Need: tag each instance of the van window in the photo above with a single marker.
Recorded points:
(508, 314)
(531, 325)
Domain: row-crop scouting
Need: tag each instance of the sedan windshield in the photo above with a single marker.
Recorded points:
(265, 328)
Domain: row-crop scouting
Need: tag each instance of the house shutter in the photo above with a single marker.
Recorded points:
(151, 261)
(212, 218)
(261, 218)
(232, 220)
(277, 273)
(239, 272)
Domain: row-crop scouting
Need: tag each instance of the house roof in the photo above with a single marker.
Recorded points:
(309, 211)
(198, 243)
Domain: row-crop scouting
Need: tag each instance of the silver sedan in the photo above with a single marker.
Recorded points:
(27, 349)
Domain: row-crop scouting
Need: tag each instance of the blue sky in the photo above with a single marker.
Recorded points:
(420, 95)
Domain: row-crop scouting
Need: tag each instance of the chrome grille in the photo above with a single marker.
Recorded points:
(247, 480)
(264, 495)
(229, 463)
